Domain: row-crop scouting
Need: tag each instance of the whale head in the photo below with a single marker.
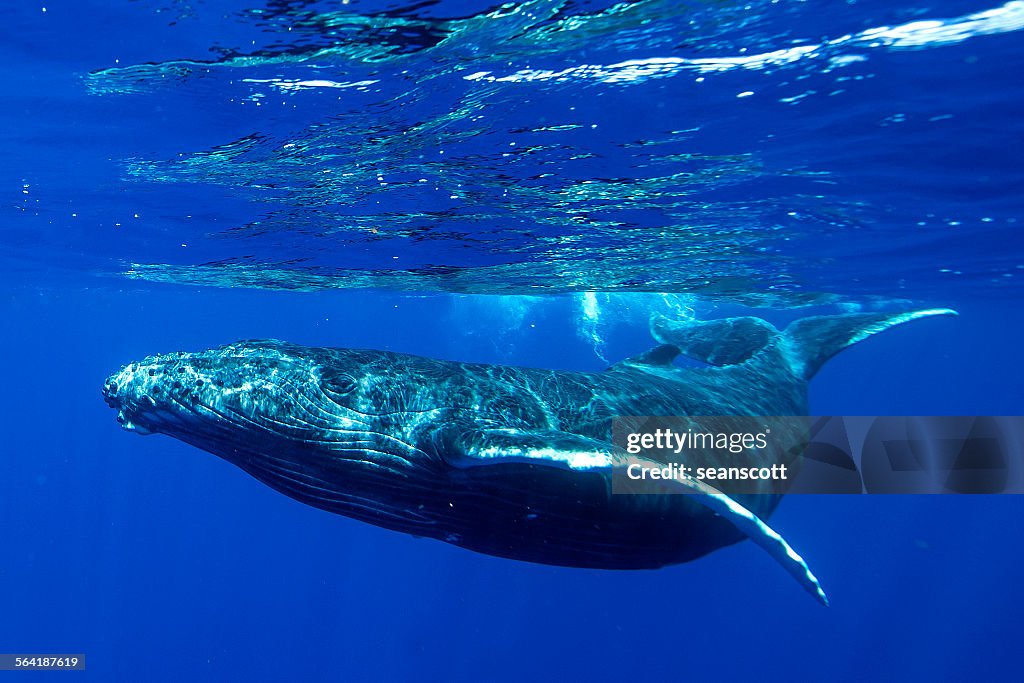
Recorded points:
(237, 386)
(253, 402)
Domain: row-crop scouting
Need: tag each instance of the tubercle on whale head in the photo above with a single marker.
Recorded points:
(131, 395)
(244, 385)
(252, 400)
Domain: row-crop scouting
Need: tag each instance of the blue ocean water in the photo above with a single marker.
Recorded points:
(519, 184)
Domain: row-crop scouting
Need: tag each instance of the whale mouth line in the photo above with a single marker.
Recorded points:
(129, 426)
(216, 423)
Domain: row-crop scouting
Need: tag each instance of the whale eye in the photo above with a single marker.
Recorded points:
(338, 382)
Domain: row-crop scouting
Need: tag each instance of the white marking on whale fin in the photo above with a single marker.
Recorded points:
(582, 454)
(549, 447)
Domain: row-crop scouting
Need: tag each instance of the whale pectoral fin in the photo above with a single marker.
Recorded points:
(725, 341)
(582, 454)
(754, 528)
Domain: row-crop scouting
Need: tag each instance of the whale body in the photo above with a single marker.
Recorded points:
(510, 461)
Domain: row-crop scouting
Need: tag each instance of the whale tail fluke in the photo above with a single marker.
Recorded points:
(804, 345)
(809, 342)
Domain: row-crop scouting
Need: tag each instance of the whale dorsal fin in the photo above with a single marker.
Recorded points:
(660, 355)
(726, 341)
(577, 453)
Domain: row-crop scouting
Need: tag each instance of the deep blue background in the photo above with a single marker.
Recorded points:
(162, 562)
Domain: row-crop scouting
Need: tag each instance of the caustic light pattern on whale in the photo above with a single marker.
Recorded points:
(509, 461)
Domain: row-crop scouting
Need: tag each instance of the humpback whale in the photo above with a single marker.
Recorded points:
(511, 461)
